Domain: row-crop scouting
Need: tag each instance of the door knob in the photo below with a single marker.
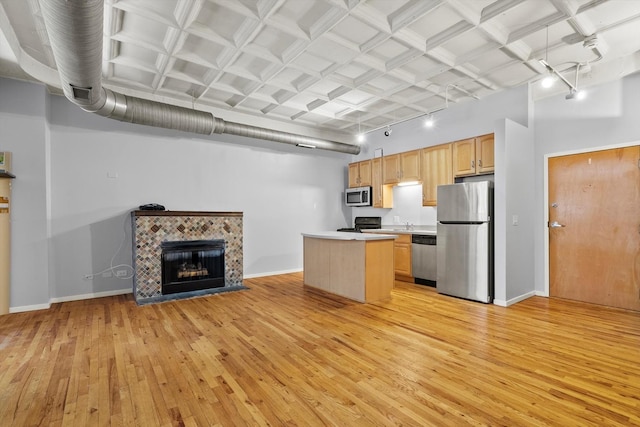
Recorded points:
(555, 224)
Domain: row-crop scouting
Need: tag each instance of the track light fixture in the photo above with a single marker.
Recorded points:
(387, 131)
(429, 121)
(574, 93)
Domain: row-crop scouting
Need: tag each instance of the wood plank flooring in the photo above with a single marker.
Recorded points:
(283, 354)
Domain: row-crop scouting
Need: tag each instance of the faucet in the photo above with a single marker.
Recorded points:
(408, 226)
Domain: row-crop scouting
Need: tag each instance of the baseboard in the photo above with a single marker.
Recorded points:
(29, 308)
(271, 273)
(507, 303)
(91, 295)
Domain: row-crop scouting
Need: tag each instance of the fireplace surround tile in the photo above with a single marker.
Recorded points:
(151, 228)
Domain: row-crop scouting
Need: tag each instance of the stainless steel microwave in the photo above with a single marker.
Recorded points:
(359, 196)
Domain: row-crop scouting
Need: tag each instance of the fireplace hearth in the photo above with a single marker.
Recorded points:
(192, 265)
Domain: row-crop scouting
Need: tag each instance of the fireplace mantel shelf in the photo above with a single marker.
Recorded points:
(186, 213)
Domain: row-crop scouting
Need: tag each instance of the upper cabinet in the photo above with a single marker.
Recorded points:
(436, 170)
(382, 196)
(484, 154)
(473, 156)
(360, 174)
(401, 167)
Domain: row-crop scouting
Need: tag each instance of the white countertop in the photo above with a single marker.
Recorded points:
(342, 235)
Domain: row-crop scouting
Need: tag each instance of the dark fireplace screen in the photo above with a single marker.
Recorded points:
(192, 265)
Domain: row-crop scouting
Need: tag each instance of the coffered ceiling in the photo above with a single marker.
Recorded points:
(341, 65)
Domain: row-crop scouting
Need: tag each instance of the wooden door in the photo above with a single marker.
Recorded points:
(594, 227)
(464, 157)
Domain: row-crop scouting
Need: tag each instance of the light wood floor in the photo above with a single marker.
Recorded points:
(281, 354)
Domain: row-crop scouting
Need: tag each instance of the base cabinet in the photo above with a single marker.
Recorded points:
(402, 258)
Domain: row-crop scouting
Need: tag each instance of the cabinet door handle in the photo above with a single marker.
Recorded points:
(473, 164)
(480, 163)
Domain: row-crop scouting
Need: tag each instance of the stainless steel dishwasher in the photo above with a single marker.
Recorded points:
(423, 259)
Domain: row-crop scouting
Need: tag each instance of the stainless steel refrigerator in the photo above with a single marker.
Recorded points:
(465, 240)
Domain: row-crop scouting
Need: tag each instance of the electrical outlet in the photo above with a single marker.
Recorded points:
(121, 273)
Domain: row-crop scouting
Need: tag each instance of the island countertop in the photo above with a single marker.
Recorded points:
(341, 235)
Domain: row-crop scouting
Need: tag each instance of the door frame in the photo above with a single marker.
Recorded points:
(545, 197)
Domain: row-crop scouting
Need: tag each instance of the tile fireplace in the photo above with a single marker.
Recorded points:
(185, 253)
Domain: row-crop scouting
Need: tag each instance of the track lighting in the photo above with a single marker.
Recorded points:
(429, 122)
(548, 81)
(387, 132)
(360, 137)
(574, 93)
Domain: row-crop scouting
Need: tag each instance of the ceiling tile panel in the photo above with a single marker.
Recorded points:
(188, 71)
(180, 86)
(340, 63)
(152, 37)
(137, 57)
(224, 22)
(355, 31)
(356, 97)
(254, 67)
(524, 14)
(467, 42)
(275, 42)
(435, 22)
(126, 74)
(205, 52)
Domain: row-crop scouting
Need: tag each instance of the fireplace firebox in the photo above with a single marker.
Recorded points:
(192, 265)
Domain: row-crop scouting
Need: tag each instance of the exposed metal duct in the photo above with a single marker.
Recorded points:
(75, 31)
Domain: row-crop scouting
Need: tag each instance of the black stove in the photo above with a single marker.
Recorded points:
(364, 223)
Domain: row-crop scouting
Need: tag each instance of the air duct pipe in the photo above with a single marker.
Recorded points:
(75, 32)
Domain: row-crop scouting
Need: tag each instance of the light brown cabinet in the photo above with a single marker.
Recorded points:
(473, 156)
(402, 167)
(436, 170)
(360, 174)
(402, 258)
(382, 194)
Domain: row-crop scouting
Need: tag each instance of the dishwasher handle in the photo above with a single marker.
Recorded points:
(423, 239)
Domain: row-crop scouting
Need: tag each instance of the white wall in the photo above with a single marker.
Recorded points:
(283, 190)
(513, 215)
(24, 132)
(472, 118)
(67, 213)
(609, 116)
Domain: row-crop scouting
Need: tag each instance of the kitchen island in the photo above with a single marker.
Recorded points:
(353, 265)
